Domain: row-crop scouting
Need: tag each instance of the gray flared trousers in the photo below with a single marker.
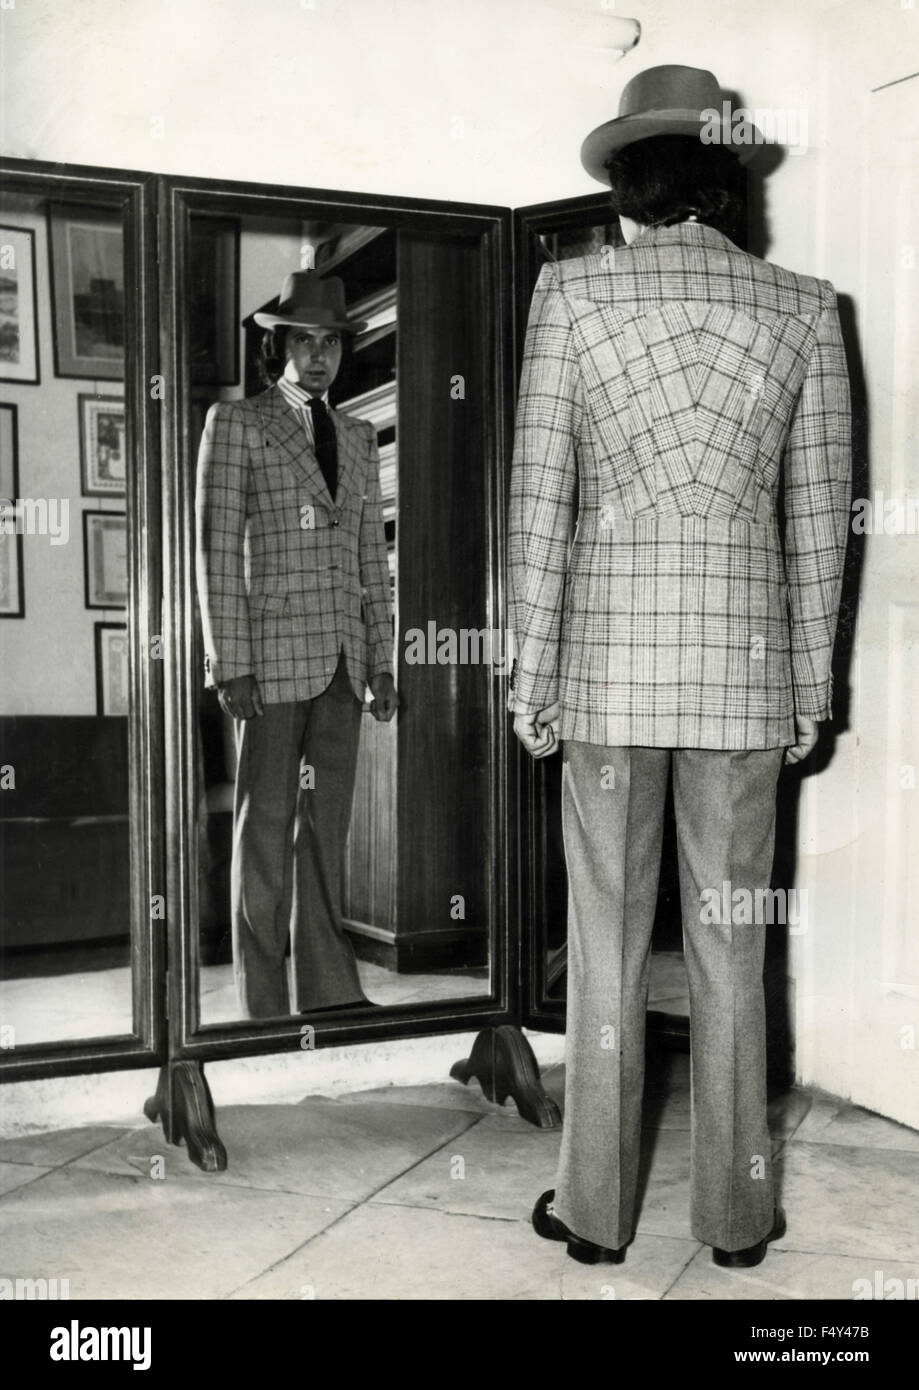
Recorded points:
(288, 848)
(612, 816)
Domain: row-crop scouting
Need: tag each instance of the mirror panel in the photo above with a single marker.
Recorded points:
(560, 231)
(77, 946)
(402, 902)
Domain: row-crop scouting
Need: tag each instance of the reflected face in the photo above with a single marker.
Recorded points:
(315, 355)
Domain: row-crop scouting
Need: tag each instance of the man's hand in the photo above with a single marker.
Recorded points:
(808, 729)
(539, 732)
(240, 698)
(385, 701)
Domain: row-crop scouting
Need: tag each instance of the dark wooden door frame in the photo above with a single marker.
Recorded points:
(539, 1010)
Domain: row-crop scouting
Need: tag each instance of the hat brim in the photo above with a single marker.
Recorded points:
(272, 321)
(625, 130)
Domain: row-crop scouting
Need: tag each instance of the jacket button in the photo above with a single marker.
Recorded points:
(336, 522)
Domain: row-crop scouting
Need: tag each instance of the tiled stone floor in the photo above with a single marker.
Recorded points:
(425, 1192)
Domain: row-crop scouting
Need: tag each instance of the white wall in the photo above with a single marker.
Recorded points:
(855, 994)
(363, 94)
(48, 658)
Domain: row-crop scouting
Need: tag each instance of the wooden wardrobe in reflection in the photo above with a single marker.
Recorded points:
(417, 859)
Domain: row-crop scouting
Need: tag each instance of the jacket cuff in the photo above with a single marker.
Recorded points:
(815, 704)
(219, 672)
(530, 701)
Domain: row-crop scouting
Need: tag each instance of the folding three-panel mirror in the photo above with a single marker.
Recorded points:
(146, 442)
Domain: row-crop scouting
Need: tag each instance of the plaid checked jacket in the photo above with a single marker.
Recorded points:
(670, 384)
(287, 576)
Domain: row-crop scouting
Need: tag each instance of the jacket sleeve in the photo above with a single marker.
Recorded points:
(374, 571)
(543, 480)
(220, 526)
(818, 485)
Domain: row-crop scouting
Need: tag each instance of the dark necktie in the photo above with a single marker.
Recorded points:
(325, 443)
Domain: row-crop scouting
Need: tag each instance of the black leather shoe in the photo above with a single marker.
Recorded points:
(550, 1227)
(752, 1254)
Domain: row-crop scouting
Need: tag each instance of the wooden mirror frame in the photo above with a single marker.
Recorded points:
(539, 1008)
(133, 195)
(189, 1041)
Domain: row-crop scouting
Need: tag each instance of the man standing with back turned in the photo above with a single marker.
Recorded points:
(678, 383)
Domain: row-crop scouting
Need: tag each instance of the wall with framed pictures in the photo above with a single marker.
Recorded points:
(62, 448)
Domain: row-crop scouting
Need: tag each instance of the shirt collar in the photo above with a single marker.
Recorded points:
(698, 232)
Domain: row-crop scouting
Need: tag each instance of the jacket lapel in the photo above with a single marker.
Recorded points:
(284, 431)
(349, 441)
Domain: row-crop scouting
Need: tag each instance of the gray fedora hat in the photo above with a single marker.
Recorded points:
(310, 301)
(668, 100)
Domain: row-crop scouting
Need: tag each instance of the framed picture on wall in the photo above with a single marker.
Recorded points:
(112, 670)
(102, 445)
(86, 249)
(18, 307)
(12, 593)
(105, 559)
(214, 310)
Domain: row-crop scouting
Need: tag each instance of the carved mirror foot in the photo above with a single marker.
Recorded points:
(184, 1106)
(504, 1064)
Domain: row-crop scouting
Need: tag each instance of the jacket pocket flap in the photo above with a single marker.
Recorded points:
(319, 601)
(268, 603)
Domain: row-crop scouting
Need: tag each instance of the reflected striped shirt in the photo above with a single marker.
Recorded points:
(299, 399)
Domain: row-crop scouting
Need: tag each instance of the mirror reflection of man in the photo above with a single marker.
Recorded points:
(293, 583)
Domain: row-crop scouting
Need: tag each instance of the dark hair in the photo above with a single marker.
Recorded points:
(272, 357)
(663, 179)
